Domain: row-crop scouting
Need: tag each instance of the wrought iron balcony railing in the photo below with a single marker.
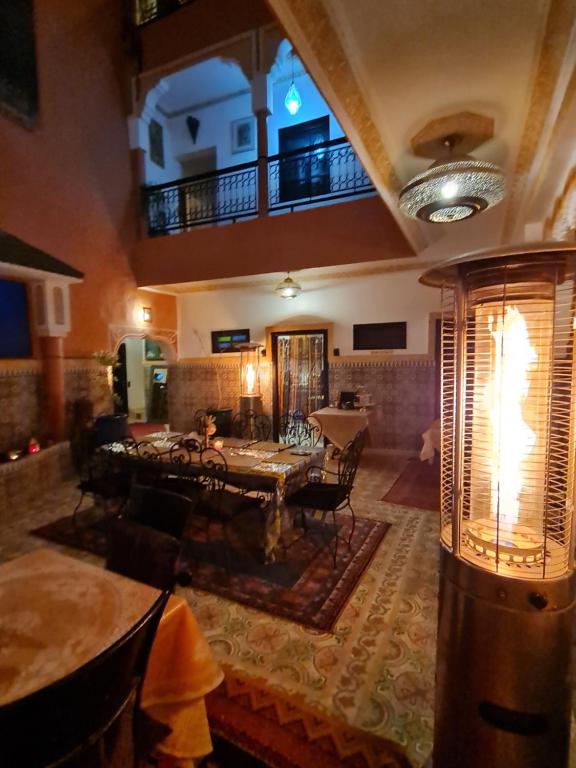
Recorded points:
(322, 173)
(325, 171)
(224, 195)
(150, 10)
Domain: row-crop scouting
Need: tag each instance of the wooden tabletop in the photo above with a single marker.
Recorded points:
(57, 613)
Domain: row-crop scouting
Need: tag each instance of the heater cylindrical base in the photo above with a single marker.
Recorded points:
(503, 669)
(251, 403)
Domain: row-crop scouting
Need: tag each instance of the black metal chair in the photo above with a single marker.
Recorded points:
(61, 723)
(161, 509)
(145, 554)
(104, 478)
(331, 497)
(298, 429)
(221, 501)
(251, 425)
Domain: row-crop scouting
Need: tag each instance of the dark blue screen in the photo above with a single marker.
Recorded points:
(14, 331)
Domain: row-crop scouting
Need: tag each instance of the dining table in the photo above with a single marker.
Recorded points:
(262, 466)
(340, 425)
(58, 612)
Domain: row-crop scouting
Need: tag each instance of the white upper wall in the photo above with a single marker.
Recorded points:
(377, 298)
(215, 120)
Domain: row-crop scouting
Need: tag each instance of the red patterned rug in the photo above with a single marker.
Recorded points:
(278, 730)
(303, 584)
(417, 486)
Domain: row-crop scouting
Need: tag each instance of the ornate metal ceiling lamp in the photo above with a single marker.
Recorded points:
(455, 187)
(288, 288)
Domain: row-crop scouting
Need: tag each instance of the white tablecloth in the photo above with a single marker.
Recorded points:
(340, 426)
(431, 441)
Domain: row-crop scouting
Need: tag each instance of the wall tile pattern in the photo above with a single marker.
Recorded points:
(88, 382)
(21, 408)
(403, 393)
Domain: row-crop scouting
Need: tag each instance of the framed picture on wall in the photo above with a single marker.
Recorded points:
(243, 134)
(156, 142)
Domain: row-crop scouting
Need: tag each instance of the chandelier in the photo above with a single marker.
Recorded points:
(288, 288)
(452, 189)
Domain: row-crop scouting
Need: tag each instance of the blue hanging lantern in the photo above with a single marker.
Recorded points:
(292, 102)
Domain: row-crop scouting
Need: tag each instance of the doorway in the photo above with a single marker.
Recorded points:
(305, 174)
(301, 372)
(198, 199)
(140, 381)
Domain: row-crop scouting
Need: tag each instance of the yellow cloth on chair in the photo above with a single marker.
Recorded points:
(181, 671)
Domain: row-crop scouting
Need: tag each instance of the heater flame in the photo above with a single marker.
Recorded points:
(512, 438)
(250, 379)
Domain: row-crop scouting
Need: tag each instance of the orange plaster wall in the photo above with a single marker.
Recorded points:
(66, 186)
(197, 26)
(343, 233)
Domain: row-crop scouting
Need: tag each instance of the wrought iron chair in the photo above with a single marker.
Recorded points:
(251, 425)
(161, 509)
(144, 554)
(331, 497)
(104, 478)
(298, 429)
(219, 502)
(61, 723)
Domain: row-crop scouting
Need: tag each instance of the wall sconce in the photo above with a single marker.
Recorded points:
(146, 314)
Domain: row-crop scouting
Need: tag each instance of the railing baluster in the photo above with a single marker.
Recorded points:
(326, 171)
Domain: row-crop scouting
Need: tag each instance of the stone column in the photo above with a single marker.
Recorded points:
(53, 370)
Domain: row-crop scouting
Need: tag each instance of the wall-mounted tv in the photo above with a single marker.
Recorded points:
(14, 323)
(225, 341)
(370, 336)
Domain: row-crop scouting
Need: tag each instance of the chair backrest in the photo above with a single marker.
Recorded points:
(110, 428)
(63, 719)
(349, 459)
(298, 429)
(251, 425)
(142, 553)
(160, 509)
(214, 470)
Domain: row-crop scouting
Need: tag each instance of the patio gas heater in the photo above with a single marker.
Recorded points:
(507, 507)
(250, 395)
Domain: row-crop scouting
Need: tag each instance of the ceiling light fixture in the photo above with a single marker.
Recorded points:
(452, 189)
(292, 102)
(288, 288)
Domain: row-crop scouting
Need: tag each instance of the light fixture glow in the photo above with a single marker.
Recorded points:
(146, 314)
(292, 102)
(449, 190)
(288, 288)
(452, 190)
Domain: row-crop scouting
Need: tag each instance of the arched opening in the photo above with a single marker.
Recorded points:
(140, 380)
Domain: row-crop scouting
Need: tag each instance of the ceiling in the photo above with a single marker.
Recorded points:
(388, 69)
(217, 79)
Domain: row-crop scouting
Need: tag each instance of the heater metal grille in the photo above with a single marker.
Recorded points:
(507, 415)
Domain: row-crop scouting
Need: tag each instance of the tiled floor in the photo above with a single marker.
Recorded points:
(376, 669)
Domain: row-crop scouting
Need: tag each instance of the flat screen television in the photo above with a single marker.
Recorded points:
(14, 322)
(226, 341)
(159, 375)
(379, 336)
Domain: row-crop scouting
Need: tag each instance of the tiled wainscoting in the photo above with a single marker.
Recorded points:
(21, 481)
(402, 390)
(21, 407)
(87, 381)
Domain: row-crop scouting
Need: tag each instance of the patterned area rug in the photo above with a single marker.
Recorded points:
(302, 585)
(278, 730)
(418, 486)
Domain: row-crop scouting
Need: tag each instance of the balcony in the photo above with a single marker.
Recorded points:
(321, 174)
